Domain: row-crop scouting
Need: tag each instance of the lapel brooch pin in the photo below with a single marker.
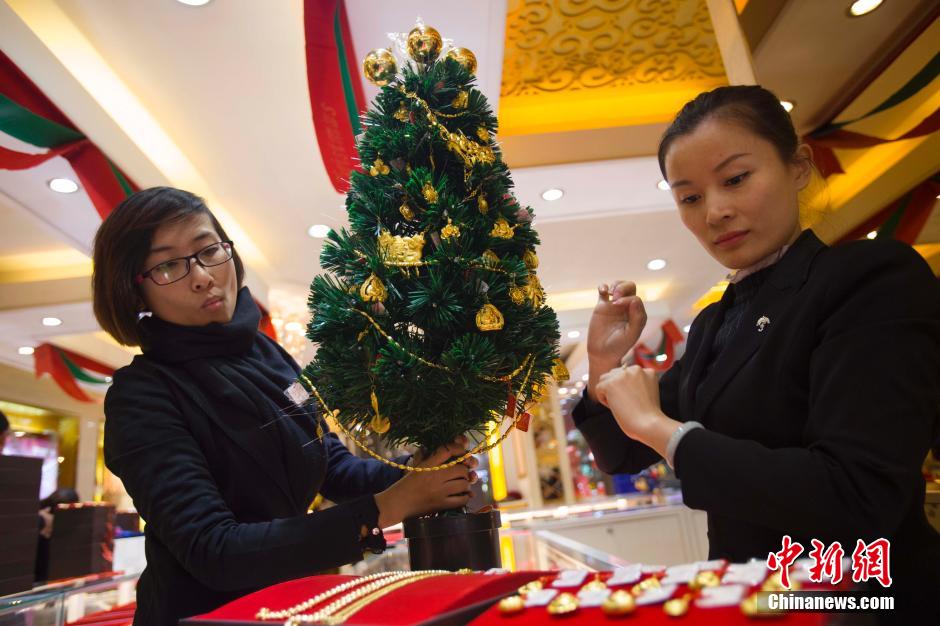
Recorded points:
(762, 323)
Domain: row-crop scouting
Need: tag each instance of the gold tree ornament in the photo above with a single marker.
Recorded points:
(379, 67)
(379, 423)
(534, 291)
(465, 57)
(517, 295)
(373, 290)
(424, 43)
(489, 258)
(483, 134)
(560, 371)
(461, 100)
(489, 318)
(482, 204)
(406, 211)
(530, 259)
(469, 151)
(398, 251)
(502, 229)
(402, 114)
(379, 168)
(429, 193)
(450, 231)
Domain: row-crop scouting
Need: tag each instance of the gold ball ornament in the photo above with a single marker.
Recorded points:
(618, 604)
(465, 57)
(424, 43)
(450, 231)
(645, 585)
(373, 290)
(512, 605)
(489, 318)
(595, 585)
(563, 604)
(379, 67)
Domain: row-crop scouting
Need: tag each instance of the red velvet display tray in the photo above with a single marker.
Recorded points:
(435, 601)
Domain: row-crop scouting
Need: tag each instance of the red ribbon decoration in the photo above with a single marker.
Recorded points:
(48, 360)
(325, 81)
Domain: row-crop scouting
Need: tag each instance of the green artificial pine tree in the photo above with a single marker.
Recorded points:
(430, 320)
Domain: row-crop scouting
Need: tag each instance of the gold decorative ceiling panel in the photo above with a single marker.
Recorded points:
(582, 64)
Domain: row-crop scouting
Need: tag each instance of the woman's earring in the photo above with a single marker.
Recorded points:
(142, 314)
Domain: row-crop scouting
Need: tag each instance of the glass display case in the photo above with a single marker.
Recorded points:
(67, 602)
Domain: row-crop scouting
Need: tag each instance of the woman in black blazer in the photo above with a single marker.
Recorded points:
(209, 433)
(807, 398)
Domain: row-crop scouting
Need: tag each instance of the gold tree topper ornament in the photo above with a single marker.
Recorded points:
(373, 290)
(450, 231)
(379, 67)
(465, 57)
(398, 251)
(424, 43)
(489, 318)
(502, 229)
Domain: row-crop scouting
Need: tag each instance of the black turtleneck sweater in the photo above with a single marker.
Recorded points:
(223, 466)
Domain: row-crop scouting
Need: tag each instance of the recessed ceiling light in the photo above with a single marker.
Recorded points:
(787, 105)
(687, 328)
(319, 231)
(656, 264)
(194, 3)
(585, 377)
(574, 334)
(26, 350)
(663, 185)
(51, 321)
(863, 7)
(552, 194)
(872, 234)
(63, 185)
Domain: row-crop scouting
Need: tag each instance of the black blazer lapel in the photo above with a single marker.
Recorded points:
(700, 354)
(769, 305)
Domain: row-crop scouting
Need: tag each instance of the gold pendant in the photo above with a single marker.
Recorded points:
(517, 294)
(502, 229)
(450, 231)
(563, 604)
(379, 423)
(373, 290)
(461, 101)
(534, 291)
(483, 134)
(645, 585)
(489, 258)
(379, 167)
(482, 204)
(704, 579)
(401, 251)
(595, 585)
(406, 211)
(618, 604)
(529, 587)
(511, 605)
(489, 318)
(559, 371)
(429, 193)
(677, 607)
(402, 114)
(531, 261)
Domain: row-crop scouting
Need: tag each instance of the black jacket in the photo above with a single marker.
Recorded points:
(816, 427)
(225, 500)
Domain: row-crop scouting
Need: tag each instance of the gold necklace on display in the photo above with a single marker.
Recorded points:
(268, 614)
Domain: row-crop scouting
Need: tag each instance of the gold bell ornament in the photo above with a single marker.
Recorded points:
(379, 67)
(424, 43)
(465, 57)
(489, 318)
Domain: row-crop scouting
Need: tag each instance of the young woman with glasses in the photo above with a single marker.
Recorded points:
(221, 462)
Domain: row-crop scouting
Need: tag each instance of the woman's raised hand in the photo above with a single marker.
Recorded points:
(418, 493)
(616, 324)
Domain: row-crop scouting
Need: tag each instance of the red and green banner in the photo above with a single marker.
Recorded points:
(830, 137)
(28, 115)
(904, 218)
(73, 372)
(336, 96)
(664, 356)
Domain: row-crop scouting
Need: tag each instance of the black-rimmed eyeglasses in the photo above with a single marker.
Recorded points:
(173, 270)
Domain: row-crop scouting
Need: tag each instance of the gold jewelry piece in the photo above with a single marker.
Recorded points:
(489, 318)
(401, 251)
(373, 290)
(502, 229)
(645, 585)
(511, 605)
(461, 100)
(529, 587)
(341, 616)
(618, 604)
(482, 204)
(559, 371)
(450, 231)
(563, 604)
(705, 579)
(379, 168)
(751, 608)
(677, 607)
(595, 585)
(267, 614)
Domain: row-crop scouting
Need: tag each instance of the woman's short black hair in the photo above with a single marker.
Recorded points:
(752, 106)
(122, 245)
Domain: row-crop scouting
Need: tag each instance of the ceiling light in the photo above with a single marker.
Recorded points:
(194, 3)
(319, 231)
(787, 105)
(552, 194)
(51, 321)
(656, 264)
(574, 334)
(63, 185)
(26, 350)
(872, 234)
(863, 7)
(663, 185)
(585, 377)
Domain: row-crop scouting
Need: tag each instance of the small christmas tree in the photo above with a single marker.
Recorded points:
(431, 321)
